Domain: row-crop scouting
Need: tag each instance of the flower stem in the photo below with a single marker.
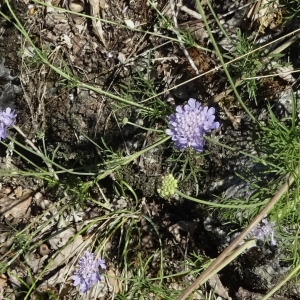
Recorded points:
(213, 204)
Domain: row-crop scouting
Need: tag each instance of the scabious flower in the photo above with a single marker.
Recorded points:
(7, 119)
(88, 273)
(3, 131)
(190, 124)
(168, 186)
(265, 231)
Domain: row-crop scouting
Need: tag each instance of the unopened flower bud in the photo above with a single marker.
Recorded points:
(168, 186)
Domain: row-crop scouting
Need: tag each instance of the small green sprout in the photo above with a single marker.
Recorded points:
(168, 186)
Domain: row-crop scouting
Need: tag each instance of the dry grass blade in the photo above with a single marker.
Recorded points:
(223, 256)
(190, 60)
(97, 25)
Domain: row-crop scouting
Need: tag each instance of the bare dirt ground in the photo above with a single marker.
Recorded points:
(71, 120)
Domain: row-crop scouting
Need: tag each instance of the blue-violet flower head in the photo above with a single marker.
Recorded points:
(7, 118)
(3, 131)
(190, 124)
(265, 231)
(88, 273)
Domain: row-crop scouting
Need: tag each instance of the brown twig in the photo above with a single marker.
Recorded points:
(203, 277)
(181, 43)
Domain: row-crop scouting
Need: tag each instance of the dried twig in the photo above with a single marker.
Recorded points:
(191, 12)
(235, 244)
(182, 46)
(97, 25)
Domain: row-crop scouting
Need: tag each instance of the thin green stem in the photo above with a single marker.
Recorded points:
(126, 122)
(240, 206)
(126, 160)
(254, 157)
(224, 65)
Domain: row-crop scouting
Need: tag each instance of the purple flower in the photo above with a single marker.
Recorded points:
(3, 131)
(190, 124)
(7, 118)
(87, 273)
(265, 231)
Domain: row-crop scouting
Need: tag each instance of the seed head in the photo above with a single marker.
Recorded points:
(264, 231)
(168, 186)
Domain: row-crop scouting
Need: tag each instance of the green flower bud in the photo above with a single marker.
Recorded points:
(125, 121)
(168, 186)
